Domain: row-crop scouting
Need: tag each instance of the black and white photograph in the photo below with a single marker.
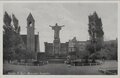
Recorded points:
(64, 38)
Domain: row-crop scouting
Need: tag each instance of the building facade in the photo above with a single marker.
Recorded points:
(72, 45)
(76, 48)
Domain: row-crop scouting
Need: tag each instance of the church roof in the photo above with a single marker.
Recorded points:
(30, 17)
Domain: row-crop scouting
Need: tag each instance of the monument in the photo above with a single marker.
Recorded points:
(56, 49)
(56, 42)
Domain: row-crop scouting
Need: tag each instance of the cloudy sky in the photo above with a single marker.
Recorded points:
(73, 15)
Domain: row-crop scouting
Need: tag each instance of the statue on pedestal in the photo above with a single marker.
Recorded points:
(56, 42)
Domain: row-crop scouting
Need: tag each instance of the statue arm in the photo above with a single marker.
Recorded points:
(50, 26)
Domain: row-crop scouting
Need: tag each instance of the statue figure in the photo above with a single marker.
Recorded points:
(56, 29)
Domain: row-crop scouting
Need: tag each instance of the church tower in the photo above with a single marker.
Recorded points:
(30, 33)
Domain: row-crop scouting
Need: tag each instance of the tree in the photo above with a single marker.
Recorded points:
(12, 40)
(96, 33)
(7, 40)
(109, 51)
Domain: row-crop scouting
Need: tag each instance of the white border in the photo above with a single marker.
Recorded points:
(59, 1)
(55, 76)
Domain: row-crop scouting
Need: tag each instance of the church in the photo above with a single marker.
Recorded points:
(31, 40)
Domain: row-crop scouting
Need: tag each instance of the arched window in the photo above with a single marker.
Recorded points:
(30, 24)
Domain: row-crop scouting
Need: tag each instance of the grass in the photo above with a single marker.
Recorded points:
(60, 69)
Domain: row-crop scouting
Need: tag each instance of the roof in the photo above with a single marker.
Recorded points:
(30, 17)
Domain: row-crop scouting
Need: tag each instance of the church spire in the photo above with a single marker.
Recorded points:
(30, 17)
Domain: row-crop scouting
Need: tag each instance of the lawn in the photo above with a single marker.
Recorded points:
(60, 69)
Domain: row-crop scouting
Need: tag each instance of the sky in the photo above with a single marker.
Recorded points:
(73, 15)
